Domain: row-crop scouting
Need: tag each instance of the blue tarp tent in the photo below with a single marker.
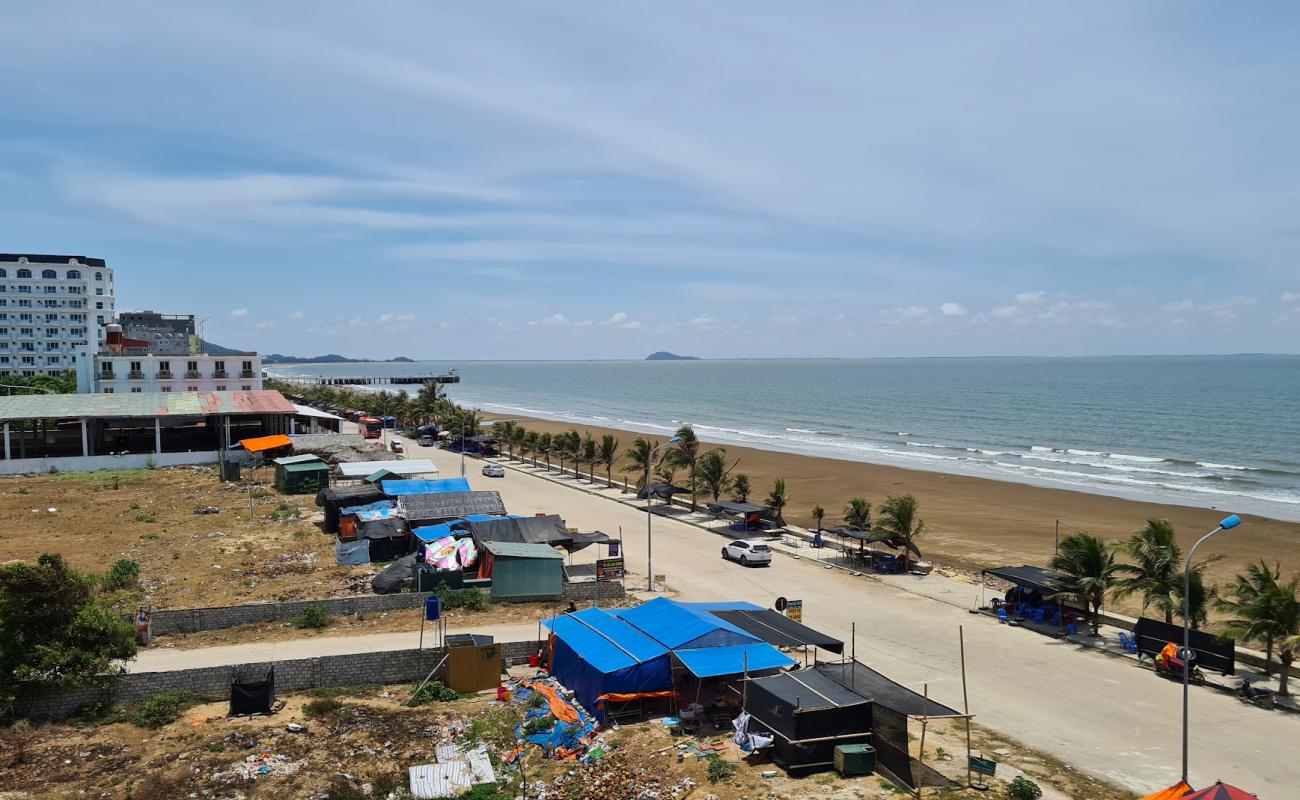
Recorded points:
(596, 653)
(711, 662)
(680, 625)
(396, 488)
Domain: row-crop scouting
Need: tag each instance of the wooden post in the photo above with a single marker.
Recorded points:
(6, 441)
(157, 435)
(925, 721)
(965, 700)
(85, 440)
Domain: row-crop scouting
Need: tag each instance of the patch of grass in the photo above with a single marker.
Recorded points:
(538, 725)
(325, 706)
(147, 516)
(124, 574)
(360, 690)
(484, 791)
(284, 512)
(433, 692)
(472, 599)
(135, 505)
(495, 726)
(720, 769)
(313, 617)
(217, 747)
(160, 709)
(1023, 789)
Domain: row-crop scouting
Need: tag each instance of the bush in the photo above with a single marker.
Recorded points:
(160, 709)
(314, 617)
(720, 769)
(496, 727)
(1023, 789)
(433, 692)
(325, 706)
(473, 599)
(124, 574)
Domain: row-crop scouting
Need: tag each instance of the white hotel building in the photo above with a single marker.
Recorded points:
(52, 312)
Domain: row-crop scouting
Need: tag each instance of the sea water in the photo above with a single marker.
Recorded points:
(1220, 431)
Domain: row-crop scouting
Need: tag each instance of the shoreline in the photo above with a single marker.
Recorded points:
(974, 521)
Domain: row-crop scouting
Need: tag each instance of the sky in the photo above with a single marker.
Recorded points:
(729, 179)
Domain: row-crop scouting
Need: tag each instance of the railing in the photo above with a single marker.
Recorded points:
(218, 373)
(135, 375)
(192, 374)
(164, 374)
(246, 373)
(108, 376)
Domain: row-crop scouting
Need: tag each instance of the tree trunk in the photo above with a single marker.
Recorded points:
(1268, 656)
(1286, 657)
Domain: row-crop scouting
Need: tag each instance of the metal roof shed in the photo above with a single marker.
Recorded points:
(306, 476)
(520, 570)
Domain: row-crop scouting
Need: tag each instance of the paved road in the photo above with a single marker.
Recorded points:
(1093, 711)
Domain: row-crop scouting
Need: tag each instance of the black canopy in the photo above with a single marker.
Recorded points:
(1044, 581)
(779, 630)
(581, 540)
(426, 508)
(884, 692)
(738, 509)
(853, 533)
(531, 530)
(661, 490)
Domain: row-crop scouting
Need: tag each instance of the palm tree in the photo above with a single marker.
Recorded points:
(685, 454)
(568, 445)
(546, 446)
(712, 473)
(505, 431)
(1275, 613)
(740, 487)
(529, 445)
(1089, 568)
(518, 435)
(1200, 598)
(857, 513)
(1157, 569)
(640, 459)
(777, 500)
(607, 454)
(898, 525)
(818, 514)
(1244, 603)
(666, 472)
(589, 455)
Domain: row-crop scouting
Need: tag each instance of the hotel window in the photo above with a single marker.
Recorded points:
(166, 389)
(108, 390)
(24, 289)
(29, 360)
(191, 388)
(74, 290)
(97, 290)
(75, 304)
(106, 367)
(164, 366)
(99, 276)
(51, 290)
(24, 273)
(221, 387)
(51, 346)
(192, 366)
(51, 331)
(49, 274)
(25, 303)
(136, 390)
(99, 306)
(26, 332)
(51, 317)
(27, 346)
(4, 273)
(74, 274)
(51, 359)
(135, 366)
(218, 365)
(24, 317)
(248, 365)
(246, 388)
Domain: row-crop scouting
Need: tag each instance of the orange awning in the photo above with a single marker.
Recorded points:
(261, 443)
(1172, 793)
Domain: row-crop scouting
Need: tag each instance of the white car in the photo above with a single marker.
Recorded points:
(494, 470)
(747, 551)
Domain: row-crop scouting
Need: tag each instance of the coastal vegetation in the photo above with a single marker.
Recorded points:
(1088, 565)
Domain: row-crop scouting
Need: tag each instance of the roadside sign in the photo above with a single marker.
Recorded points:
(661, 579)
(615, 549)
(794, 610)
(781, 604)
(609, 569)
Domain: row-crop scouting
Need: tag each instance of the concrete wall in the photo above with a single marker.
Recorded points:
(192, 620)
(309, 440)
(213, 683)
(29, 466)
(588, 591)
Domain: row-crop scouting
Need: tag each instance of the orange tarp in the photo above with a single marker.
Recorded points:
(1172, 793)
(560, 707)
(261, 443)
(623, 697)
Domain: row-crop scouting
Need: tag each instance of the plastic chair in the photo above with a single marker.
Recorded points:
(1072, 628)
(1039, 615)
(1002, 616)
(1128, 643)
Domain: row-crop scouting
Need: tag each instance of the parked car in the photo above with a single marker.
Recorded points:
(427, 441)
(396, 446)
(747, 551)
(494, 470)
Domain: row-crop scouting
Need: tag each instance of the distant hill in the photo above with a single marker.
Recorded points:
(278, 358)
(664, 355)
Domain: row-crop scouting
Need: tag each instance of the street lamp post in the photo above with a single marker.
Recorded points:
(1227, 524)
(462, 447)
(649, 541)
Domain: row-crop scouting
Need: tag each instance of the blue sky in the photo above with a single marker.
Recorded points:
(604, 179)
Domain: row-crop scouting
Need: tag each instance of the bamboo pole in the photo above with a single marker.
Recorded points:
(925, 722)
(965, 700)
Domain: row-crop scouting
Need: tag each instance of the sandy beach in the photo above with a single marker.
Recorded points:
(977, 522)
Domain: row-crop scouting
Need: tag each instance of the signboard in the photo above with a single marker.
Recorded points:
(615, 549)
(661, 579)
(609, 569)
(794, 610)
(781, 604)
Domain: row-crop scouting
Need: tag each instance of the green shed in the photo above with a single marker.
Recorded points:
(305, 474)
(522, 570)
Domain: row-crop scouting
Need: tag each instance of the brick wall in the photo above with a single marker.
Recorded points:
(192, 620)
(587, 591)
(294, 675)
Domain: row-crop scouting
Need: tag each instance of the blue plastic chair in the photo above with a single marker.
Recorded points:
(1128, 643)
(1039, 615)
(1072, 628)
(1002, 615)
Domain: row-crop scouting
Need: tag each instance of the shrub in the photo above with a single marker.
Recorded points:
(147, 516)
(314, 617)
(539, 724)
(124, 574)
(160, 709)
(433, 692)
(325, 706)
(1023, 789)
(720, 769)
(473, 598)
(496, 727)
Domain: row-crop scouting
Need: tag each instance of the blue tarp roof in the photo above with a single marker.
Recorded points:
(678, 625)
(710, 662)
(415, 486)
(726, 605)
(605, 641)
(429, 533)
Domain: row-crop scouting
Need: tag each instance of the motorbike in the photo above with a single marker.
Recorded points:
(1173, 670)
(1260, 698)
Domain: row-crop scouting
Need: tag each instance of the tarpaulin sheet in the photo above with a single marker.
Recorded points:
(357, 552)
(778, 629)
(884, 691)
(1213, 653)
(1045, 581)
(394, 488)
(805, 706)
(259, 444)
(710, 662)
(596, 653)
(676, 625)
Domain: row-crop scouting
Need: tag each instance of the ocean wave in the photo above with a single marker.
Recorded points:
(738, 432)
(804, 430)
(1233, 467)
(1139, 459)
(1076, 452)
(926, 444)
(1040, 449)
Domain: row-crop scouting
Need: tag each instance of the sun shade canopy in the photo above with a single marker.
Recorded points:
(879, 689)
(415, 466)
(393, 488)
(808, 689)
(675, 625)
(303, 459)
(1043, 580)
(738, 509)
(1220, 791)
(778, 629)
(260, 444)
(711, 662)
(605, 641)
(661, 490)
(536, 530)
(450, 505)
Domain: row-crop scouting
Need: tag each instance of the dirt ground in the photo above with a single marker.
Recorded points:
(359, 742)
(187, 559)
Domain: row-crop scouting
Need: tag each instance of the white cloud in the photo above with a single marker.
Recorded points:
(705, 321)
(1291, 297)
(952, 310)
(239, 313)
(1030, 298)
(556, 320)
(620, 319)
(617, 318)
(1223, 310)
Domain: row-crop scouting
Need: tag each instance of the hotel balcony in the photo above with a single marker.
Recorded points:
(135, 375)
(192, 374)
(247, 373)
(164, 374)
(218, 373)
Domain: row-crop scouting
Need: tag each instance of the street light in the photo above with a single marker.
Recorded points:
(1227, 524)
(649, 542)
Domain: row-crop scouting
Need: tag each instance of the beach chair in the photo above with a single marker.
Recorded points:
(1002, 616)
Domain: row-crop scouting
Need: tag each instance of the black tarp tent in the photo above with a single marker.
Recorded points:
(733, 508)
(395, 576)
(779, 630)
(547, 529)
(1213, 653)
(388, 537)
(252, 694)
(427, 509)
(1044, 581)
(808, 715)
(337, 497)
(663, 491)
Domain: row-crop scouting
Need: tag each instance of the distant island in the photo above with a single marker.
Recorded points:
(664, 355)
(330, 358)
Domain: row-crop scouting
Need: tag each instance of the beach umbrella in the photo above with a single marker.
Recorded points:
(1175, 792)
(1221, 791)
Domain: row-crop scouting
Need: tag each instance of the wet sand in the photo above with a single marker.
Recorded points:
(979, 522)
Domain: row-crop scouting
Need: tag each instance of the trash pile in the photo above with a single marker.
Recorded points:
(300, 563)
(454, 772)
(613, 780)
(261, 765)
(562, 728)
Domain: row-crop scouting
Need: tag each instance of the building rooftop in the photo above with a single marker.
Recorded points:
(41, 258)
(522, 550)
(142, 404)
